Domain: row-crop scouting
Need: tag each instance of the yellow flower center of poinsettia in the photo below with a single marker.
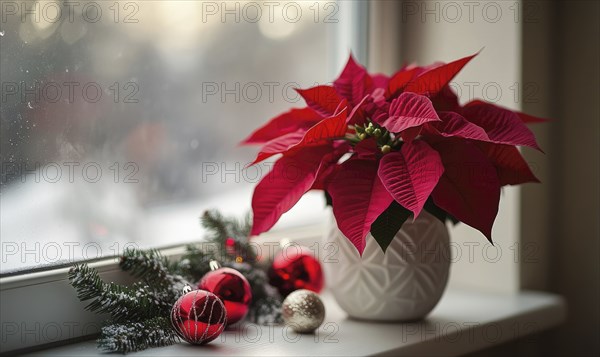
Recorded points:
(386, 141)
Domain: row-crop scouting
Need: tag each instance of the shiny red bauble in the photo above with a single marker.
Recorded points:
(293, 268)
(232, 288)
(199, 317)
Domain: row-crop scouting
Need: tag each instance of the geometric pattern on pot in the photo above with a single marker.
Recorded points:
(403, 284)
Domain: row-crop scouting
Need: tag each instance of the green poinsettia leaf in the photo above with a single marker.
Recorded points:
(328, 200)
(452, 219)
(439, 213)
(388, 223)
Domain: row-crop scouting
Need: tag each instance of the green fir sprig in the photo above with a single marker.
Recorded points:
(139, 314)
(124, 303)
(137, 336)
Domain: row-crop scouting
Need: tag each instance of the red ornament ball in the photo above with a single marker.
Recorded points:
(293, 268)
(231, 246)
(232, 288)
(199, 317)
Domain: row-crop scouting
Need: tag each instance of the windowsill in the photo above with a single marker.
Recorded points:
(463, 322)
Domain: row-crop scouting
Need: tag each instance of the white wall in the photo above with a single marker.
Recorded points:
(444, 31)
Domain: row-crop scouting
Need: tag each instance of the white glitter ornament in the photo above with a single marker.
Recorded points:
(303, 311)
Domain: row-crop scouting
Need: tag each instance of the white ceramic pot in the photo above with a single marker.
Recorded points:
(404, 284)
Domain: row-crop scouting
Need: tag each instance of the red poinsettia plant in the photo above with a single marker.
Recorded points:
(385, 148)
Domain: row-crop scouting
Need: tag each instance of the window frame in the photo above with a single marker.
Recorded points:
(49, 308)
(364, 27)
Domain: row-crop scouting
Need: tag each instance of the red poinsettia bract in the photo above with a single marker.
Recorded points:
(411, 146)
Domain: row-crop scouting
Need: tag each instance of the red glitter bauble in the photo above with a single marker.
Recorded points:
(293, 268)
(199, 317)
(232, 288)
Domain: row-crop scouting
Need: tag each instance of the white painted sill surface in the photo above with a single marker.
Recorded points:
(463, 322)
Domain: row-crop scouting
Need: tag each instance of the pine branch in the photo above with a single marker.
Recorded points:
(154, 269)
(265, 311)
(149, 265)
(140, 313)
(215, 223)
(195, 262)
(123, 303)
(137, 336)
(221, 228)
(240, 228)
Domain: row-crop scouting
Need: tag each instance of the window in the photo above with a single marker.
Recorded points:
(119, 123)
(120, 119)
